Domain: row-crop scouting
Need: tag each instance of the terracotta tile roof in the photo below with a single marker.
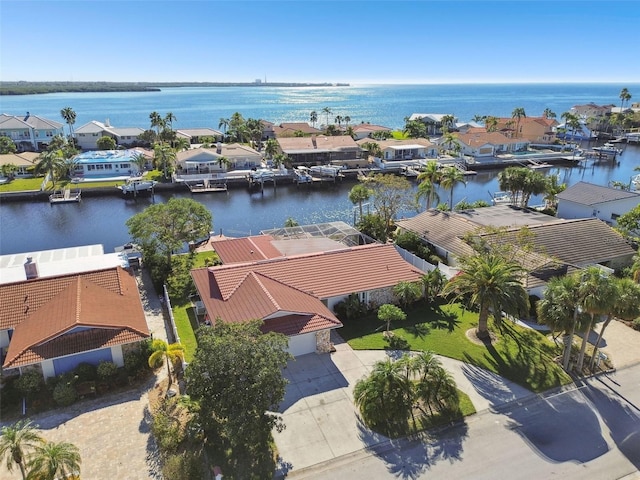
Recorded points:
(478, 139)
(425, 142)
(246, 249)
(590, 194)
(42, 309)
(297, 284)
(367, 127)
(320, 143)
(297, 324)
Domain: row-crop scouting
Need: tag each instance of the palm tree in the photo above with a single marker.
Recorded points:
(50, 162)
(431, 171)
(492, 284)
(181, 144)
(518, 113)
(358, 194)
(407, 292)
(338, 120)
(625, 306)
(15, 442)
(271, 148)
(327, 111)
(548, 113)
(433, 282)
(140, 161)
(224, 124)
(169, 118)
(491, 123)
(451, 176)
(156, 122)
(373, 149)
(164, 156)
(55, 460)
(597, 296)
(69, 116)
(428, 191)
(314, 118)
(552, 190)
(624, 96)
(347, 119)
(163, 351)
(478, 118)
(446, 122)
(279, 159)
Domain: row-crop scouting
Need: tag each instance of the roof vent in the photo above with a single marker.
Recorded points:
(31, 269)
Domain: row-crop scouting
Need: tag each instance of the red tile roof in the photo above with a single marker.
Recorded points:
(43, 312)
(246, 249)
(297, 284)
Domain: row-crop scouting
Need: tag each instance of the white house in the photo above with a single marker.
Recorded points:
(584, 200)
(207, 160)
(88, 134)
(109, 163)
(29, 132)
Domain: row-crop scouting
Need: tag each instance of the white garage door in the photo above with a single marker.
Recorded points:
(302, 344)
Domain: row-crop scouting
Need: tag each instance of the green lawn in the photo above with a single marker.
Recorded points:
(22, 185)
(519, 354)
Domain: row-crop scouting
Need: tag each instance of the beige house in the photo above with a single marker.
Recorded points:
(24, 162)
(534, 129)
(319, 149)
(488, 144)
(409, 149)
(208, 160)
(366, 130)
(88, 134)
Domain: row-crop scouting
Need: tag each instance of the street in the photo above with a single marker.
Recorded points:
(591, 431)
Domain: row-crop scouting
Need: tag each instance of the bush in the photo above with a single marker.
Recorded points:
(636, 324)
(30, 383)
(107, 370)
(64, 393)
(86, 372)
(187, 466)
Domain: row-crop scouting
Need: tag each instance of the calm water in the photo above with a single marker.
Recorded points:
(28, 227)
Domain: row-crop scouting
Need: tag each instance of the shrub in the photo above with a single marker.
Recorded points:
(64, 393)
(107, 370)
(30, 383)
(636, 324)
(187, 465)
(86, 372)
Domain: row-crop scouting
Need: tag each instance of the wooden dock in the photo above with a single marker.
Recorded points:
(206, 186)
(65, 196)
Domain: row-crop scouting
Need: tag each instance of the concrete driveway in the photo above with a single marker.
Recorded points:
(321, 419)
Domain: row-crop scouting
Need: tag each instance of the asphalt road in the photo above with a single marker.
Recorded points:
(591, 431)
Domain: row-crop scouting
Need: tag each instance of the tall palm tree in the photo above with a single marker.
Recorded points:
(16, 441)
(51, 162)
(55, 460)
(427, 190)
(169, 118)
(271, 148)
(451, 176)
(491, 123)
(597, 297)
(69, 116)
(338, 120)
(140, 161)
(492, 284)
(165, 157)
(163, 351)
(347, 119)
(358, 194)
(548, 113)
(224, 124)
(223, 162)
(518, 113)
(431, 171)
(156, 122)
(313, 116)
(625, 306)
(624, 96)
(407, 292)
(372, 148)
(327, 111)
(446, 122)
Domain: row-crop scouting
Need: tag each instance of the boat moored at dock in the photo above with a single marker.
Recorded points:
(137, 185)
(65, 196)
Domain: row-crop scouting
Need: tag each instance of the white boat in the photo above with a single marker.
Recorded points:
(326, 170)
(502, 198)
(636, 182)
(608, 149)
(137, 185)
(262, 174)
(65, 196)
(302, 175)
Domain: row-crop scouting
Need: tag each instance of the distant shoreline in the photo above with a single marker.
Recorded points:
(35, 88)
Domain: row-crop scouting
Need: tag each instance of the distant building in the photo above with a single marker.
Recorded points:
(88, 134)
(29, 132)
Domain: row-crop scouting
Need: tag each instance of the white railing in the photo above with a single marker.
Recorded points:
(414, 260)
(172, 323)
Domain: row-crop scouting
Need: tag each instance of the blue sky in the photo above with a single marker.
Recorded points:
(328, 41)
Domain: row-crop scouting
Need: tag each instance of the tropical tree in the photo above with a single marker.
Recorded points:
(271, 148)
(624, 96)
(491, 123)
(16, 442)
(181, 144)
(254, 130)
(518, 113)
(552, 190)
(391, 194)
(156, 122)
(291, 222)
(279, 159)
(597, 297)
(490, 283)
(478, 118)
(50, 162)
(428, 191)
(431, 171)
(69, 116)
(313, 117)
(414, 128)
(139, 160)
(164, 157)
(407, 292)
(7, 145)
(8, 170)
(358, 194)
(390, 313)
(446, 122)
(327, 111)
(625, 305)
(165, 352)
(451, 176)
(53, 460)
(433, 282)
(223, 162)
(224, 124)
(106, 143)
(373, 149)
(347, 119)
(548, 113)
(339, 120)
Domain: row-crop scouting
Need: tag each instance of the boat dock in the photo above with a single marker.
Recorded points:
(206, 186)
(65, 196)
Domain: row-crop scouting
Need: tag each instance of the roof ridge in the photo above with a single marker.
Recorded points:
(266, 290)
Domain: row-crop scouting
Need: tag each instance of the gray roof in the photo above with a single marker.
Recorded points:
(590, 194)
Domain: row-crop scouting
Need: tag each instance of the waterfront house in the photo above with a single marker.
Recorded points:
(52, 319)
(591, 110)
(433, 121)
(295, 294)
(584, 200)
(366, 130)
(24, 162)
(291, 129)
(561, 245)
(196, 135)
(408, 149)
(88, 134)
(109, 163)
(488, 144)
(200, 161)
(29, 132)
(533, 129)
(319, 149)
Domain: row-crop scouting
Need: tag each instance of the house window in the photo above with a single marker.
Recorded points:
(49, 133)
(614, 216)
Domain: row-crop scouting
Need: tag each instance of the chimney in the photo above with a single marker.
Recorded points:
(107, 123)
(218, 148)
(27, 116)
(31, 269)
